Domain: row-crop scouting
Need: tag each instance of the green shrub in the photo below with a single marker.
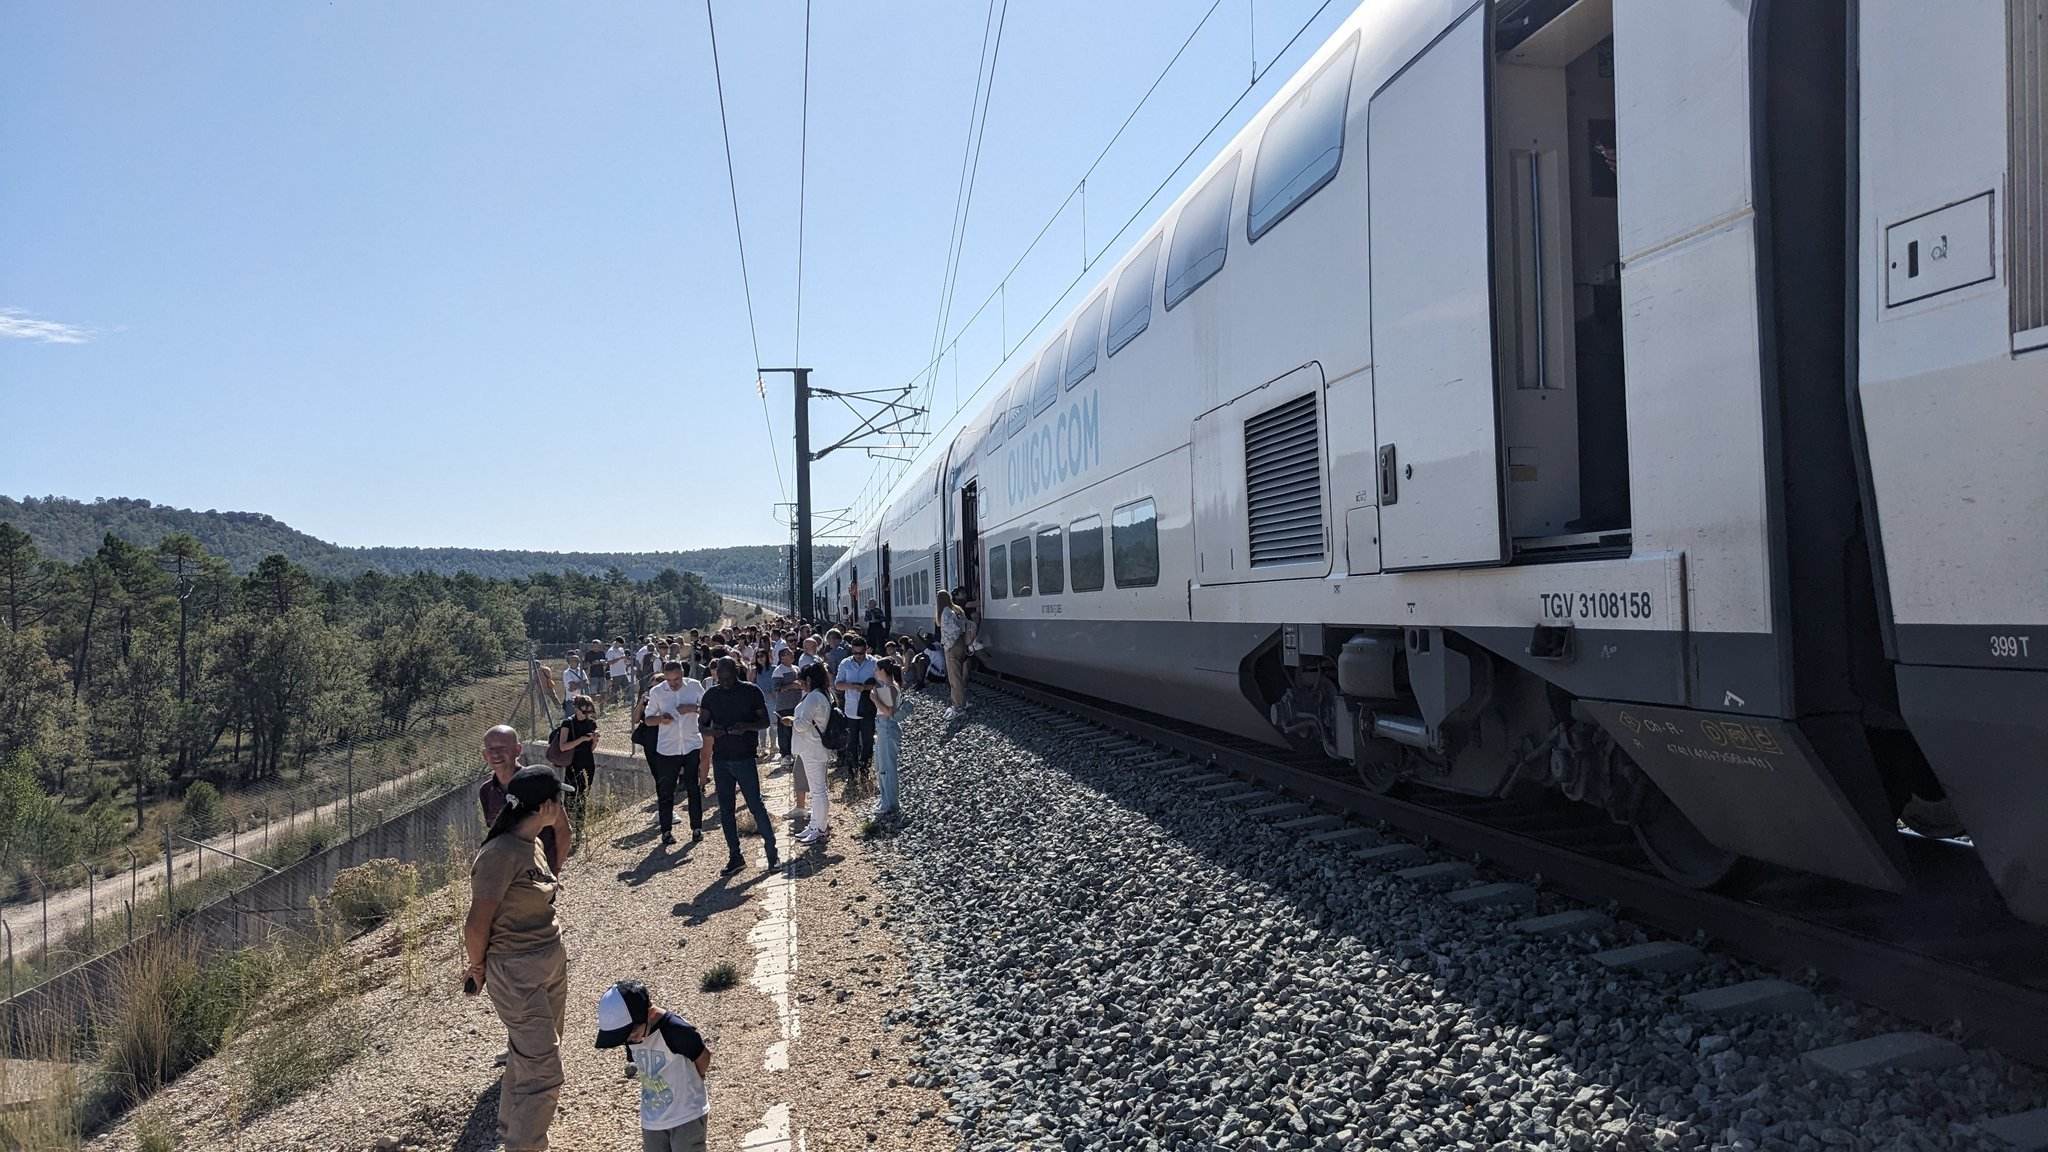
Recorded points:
(204, 815)
(295, 1056)
(367, 893)
(719, 977)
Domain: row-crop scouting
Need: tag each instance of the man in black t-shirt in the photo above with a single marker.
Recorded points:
(732, 715)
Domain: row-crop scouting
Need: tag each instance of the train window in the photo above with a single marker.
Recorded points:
(1020, 401)
(1134, 544)
(1131, 309)
(1087, 333)
(1047, 389)
(1020, 565)
(1052, 562)
(1084, 553)
(1201, 238)
(1302, 146)
(998, 574)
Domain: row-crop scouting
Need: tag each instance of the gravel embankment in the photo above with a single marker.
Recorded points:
(1105, 961)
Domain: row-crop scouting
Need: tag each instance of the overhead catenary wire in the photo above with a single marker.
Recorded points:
(997, 294)
(946, 275)
(963, 203)
(740, 240)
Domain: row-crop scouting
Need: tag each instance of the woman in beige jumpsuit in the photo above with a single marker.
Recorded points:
(514, 949)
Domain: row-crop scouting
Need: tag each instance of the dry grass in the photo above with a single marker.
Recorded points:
(293, 1056)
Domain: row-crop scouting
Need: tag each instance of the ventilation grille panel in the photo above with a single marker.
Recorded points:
(2026, 38)
(1283, 480)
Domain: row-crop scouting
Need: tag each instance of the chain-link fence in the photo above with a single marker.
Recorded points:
(221, 840)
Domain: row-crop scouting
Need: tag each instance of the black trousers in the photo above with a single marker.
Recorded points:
(783, 731)
(668, 770)
(741, 776)
(862, 746)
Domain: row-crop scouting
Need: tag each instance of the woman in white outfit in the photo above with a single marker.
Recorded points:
(813, 712)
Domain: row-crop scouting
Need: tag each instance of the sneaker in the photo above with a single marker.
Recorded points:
(668, 839)
(951, 713)
(696, 835)
(498, 1061)
(732, 866)
(810, 835)
(774, 861)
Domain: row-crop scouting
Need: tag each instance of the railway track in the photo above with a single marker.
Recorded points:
(1941, 956)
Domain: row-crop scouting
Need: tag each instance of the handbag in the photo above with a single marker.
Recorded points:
(559, 758)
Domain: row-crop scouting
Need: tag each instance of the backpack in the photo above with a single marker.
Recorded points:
(559, 757)
(837, 733)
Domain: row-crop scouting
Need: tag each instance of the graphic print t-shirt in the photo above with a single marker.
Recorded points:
(671, 1092)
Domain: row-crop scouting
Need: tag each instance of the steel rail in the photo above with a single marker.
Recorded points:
(1928, 990)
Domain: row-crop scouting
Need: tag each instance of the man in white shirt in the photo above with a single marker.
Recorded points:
(678, 748)
(575, 682)
(619, 663)
(856, 674)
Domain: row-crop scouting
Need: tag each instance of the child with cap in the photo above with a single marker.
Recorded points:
(672, 1062)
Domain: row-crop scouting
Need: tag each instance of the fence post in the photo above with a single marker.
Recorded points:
(351, 788)
(170, 881)
(10, 957)
(91, 911)
(44, 884)
(131, 920)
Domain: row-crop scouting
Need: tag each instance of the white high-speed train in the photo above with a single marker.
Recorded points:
(1648, 399)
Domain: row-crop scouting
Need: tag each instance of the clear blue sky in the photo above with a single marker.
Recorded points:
(459, 274)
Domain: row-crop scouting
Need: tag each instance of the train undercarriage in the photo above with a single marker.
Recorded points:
(1431, 708)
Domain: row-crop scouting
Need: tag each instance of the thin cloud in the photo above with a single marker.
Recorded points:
(18, 325)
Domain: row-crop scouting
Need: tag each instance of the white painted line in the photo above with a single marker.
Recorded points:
(774, 941)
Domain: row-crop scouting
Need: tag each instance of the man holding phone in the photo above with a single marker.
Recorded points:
(855, 677)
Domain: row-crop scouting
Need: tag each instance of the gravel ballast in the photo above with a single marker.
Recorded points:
(1102, 959)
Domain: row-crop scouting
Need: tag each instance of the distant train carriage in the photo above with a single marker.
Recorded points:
(1642, 400)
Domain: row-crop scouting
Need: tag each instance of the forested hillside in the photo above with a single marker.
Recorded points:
(138, 670)
(71, 530)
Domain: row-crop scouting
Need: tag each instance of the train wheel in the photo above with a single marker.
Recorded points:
(1935, 819)
(1379, 774)
(1676, 846)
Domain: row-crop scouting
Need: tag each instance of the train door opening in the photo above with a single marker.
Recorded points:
(970, 542)
(886, 590)
(1556, 273)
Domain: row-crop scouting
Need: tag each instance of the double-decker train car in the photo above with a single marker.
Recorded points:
(1643, 400)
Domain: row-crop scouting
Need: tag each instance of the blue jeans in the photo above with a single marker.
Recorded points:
(743, 776)
(888, 748)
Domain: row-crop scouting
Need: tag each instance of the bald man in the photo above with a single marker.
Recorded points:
(502, 751)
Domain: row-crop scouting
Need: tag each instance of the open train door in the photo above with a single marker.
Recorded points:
(887, 587)
(1434, 393)
(970, 542)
